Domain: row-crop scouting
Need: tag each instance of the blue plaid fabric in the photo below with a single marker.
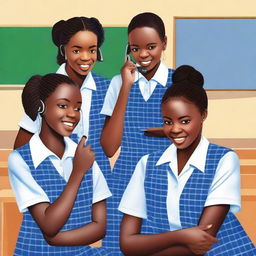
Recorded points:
(30, 240)
(140, 114)
(96, 124)
(233, 240)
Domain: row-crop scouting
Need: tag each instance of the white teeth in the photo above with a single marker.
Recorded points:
(145, 62)
(178, 139)
(68, 124)
(84, 66)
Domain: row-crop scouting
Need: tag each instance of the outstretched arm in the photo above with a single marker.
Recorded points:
(51, 217)
(86, 234)
(112, 131)
(181, 242)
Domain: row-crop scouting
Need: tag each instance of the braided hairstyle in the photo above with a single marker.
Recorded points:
(188, 83)
(148, 19)
(63, 30)
(40, 88)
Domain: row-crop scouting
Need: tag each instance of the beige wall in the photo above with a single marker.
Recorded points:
(229, 117)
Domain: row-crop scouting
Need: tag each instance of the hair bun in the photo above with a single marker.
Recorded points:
(57, 31)
(186, 73)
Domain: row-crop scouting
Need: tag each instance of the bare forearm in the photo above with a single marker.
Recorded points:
(155, 244)
(85, 235)
(51, 217)
(112, 132)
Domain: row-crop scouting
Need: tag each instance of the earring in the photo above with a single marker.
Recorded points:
(41, 108)
(61, 52)
(99, 55)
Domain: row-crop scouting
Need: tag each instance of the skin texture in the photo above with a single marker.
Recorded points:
(62, 108)
(80, 50)
(146, 48)
(182, 119)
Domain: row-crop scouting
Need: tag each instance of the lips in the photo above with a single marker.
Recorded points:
(69, 125)
(178, 140)
(84, 67)
(145, 63)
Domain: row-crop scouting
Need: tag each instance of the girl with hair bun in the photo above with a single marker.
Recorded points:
(131, 105)
(180, 198)
(59, 188)
(78, 41)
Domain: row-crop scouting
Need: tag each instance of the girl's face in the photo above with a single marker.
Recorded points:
(81, 53)
(182, 122)
(62, 109)
(146, 47)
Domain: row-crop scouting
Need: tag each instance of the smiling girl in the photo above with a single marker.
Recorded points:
(78, 40)
(192, 182)
(59, 188)
(132, 105)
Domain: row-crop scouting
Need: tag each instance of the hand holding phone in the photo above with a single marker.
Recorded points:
(141, 69)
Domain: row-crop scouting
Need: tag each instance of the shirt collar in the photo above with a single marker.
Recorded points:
(160, 76)
(197, 159)
(88, 82)
(39, 152)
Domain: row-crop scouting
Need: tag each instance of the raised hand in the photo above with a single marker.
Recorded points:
(84, 157)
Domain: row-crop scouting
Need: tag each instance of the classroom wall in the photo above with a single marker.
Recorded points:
(225, 109)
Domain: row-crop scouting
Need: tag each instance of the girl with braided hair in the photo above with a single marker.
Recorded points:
(175, 193)
(78, 41)
(59, 188)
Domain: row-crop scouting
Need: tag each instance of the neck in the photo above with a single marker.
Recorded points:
(79, 79)
(151, 72)
(183, 155)
(52, 140)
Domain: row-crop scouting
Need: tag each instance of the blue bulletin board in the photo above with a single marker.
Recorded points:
(223, 49)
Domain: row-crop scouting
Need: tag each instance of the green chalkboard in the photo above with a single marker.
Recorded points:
(26, 51)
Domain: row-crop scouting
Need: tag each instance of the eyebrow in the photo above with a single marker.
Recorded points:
(80, 102)
(178, 118)
(135, 45)
(80, 47)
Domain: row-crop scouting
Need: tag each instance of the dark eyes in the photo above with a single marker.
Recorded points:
(186, 121)
(151, 47)
(64, 106)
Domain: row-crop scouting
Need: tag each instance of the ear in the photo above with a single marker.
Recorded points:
(204, 115)
(164, 42)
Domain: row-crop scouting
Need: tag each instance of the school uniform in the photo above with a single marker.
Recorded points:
(167, 201)
(143, 111)
(37, 175)
(93, 91)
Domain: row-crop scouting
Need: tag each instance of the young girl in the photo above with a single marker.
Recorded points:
(78, 40)
(61, 196)
(192, 182)
(132, 105)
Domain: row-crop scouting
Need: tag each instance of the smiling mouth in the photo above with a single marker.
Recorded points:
(145, 63)
(84, 66)
(179, 140)
(69, 124)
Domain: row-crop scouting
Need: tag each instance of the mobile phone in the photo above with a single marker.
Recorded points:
(141, 69)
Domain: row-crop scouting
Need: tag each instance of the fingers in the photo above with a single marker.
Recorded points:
(82, 141)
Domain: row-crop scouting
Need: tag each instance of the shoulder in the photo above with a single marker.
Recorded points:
(218, 150)
(16, 162)
(100, 79)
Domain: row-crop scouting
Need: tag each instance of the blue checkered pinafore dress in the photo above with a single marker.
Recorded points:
(30, 240)
(140, 114)
(96, 123)
(233, 241)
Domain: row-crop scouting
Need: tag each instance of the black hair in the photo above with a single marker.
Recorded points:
(188, 83)
(148, 19)
(63, 30)
(40, 88)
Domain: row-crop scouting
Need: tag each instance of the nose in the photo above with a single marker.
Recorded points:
(144, 53)
(71, 112)
(84, 55)
(175, 128)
